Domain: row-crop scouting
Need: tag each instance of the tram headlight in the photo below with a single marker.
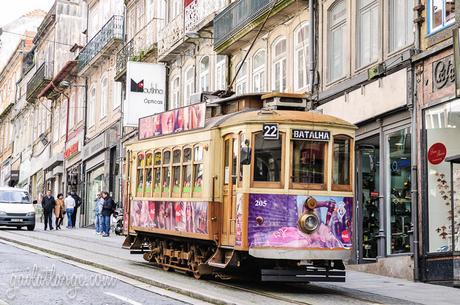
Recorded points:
(308, 223)
(310, 203)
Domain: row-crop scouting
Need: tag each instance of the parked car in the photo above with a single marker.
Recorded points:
(16, 208)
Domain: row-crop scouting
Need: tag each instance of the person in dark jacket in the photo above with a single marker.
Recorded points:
(107, 210)
(78, 203)
(48, 204)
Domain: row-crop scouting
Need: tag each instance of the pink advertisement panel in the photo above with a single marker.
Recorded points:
(173, 121)
(181, 216)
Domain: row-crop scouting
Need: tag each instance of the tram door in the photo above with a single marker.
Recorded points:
(229, 189)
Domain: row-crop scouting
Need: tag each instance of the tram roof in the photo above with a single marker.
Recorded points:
(280, 116)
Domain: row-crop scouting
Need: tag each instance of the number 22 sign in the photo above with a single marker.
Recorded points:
(271, 131)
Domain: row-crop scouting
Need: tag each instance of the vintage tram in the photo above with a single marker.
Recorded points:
(251, 183)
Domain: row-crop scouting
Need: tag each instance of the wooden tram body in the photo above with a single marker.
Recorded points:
(227, 198)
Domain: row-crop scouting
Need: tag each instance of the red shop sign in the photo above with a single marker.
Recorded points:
(437, 153)
(72, 150)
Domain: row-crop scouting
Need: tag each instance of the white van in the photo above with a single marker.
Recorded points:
(16, 208)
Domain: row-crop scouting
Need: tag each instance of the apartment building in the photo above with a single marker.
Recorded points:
(59, 31)
(97, 67)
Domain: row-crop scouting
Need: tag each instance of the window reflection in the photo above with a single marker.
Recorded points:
(267, 159)
(308, 162)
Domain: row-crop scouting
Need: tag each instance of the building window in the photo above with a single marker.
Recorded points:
(221, 72)
(279, 62)
(368, 31)
(258, 71)
(242, 78)
(401, 24)
(56, 121)
(204, 74)
(442, 129)
(116, 94)
(175, 93)
(441, 14)
(398, 192)
(189, 86)
(337, 38)
(91, 107)
(104, 96)
(63, 118)
(300, 57)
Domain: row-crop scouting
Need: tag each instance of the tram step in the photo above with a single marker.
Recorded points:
(217, 265)
(293, 275)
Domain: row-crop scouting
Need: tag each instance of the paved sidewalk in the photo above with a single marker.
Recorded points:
(84, 246)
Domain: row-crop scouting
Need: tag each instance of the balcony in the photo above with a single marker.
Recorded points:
(200, 13)
(143, 45)
(104, 42)
(238, 23)
(170, 36)
(39, 80)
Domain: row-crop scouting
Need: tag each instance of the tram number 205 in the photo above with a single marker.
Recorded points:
(271, 131)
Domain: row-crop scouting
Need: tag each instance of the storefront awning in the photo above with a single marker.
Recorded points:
(55, 160)
(453, 159)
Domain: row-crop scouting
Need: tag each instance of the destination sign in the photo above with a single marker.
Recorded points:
(311, 135)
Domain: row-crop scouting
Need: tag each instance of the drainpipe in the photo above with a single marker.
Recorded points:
(311, 51)
(414, 177)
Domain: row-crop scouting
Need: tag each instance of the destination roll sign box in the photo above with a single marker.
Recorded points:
(311, 135)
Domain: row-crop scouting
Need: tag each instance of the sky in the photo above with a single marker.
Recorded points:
(13, 9)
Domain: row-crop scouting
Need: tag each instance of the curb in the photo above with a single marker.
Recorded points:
(144, 280)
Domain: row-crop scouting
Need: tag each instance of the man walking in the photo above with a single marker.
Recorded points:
(69, 210)
(48, 204)
(97, 212)
(75, 210)
(107, 210)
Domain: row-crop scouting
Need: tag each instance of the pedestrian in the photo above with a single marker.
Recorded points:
(78, 203)
(69, 209)
(107, 210)
(59, 211)
(97, 211)
(48, 204)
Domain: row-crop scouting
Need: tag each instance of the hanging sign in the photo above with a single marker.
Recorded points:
(311, 135)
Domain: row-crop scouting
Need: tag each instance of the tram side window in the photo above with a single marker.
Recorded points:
(166, 172)
(148, 173)
(267, 159)
(341, 169)
(197, 169)
(187, 171)
(157, 173)
(308, 162)
(140, 173)
(176, 170)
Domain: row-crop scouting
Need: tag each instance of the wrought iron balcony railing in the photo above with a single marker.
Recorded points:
(170, 34)
(110, 32)
(140, 45)
(238, 15)
(198, 10)
(39, 80)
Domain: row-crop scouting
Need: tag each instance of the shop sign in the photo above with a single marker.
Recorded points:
(173, 121)
(443, 73)
(311, 135)
(437, 153)
(145, 91)
(94, 147)
(71, 151)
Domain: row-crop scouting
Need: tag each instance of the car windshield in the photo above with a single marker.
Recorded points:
(14, 197)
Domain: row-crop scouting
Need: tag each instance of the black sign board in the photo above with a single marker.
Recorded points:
(311, 135)
(271, 131)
